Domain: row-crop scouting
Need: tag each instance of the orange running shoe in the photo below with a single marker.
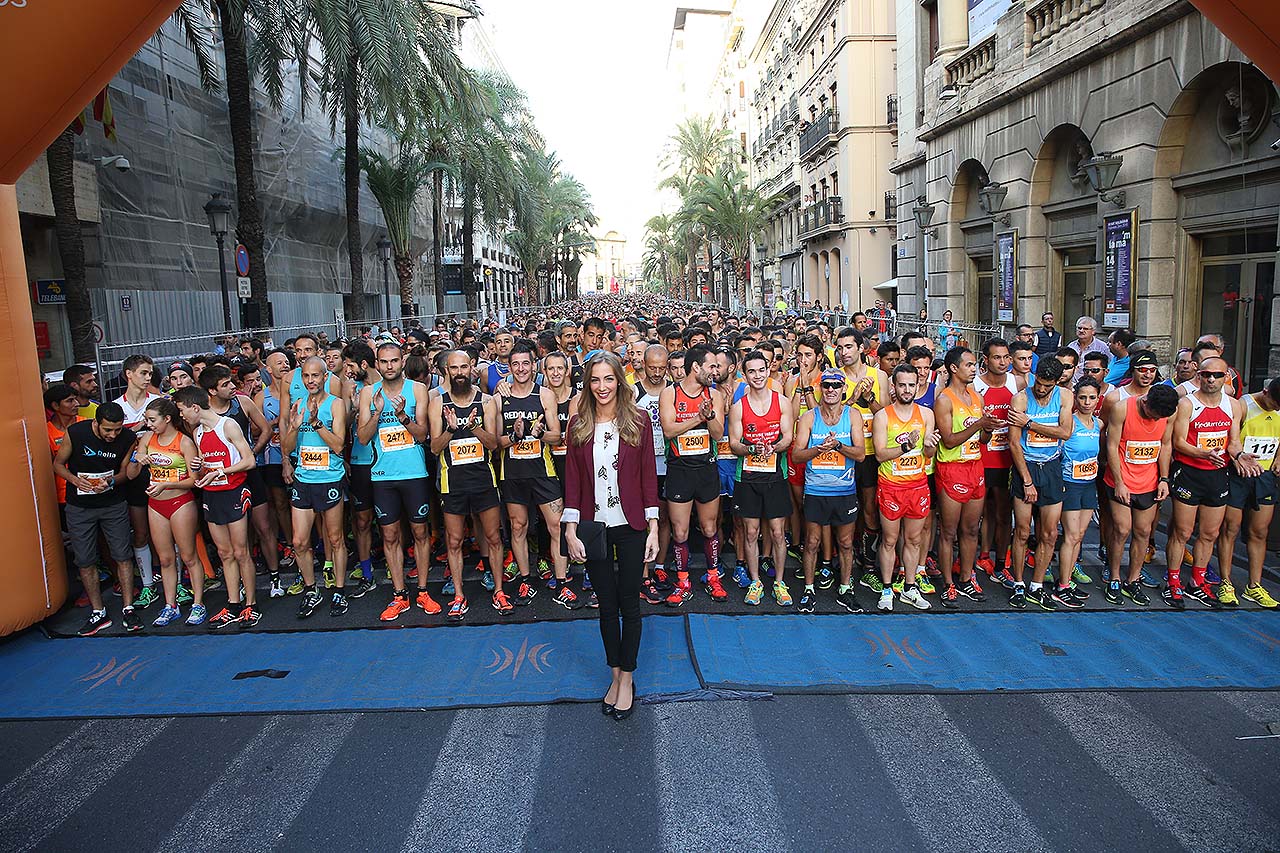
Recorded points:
(397, 606)
(987, 565)
(427, 603)
(501, 603)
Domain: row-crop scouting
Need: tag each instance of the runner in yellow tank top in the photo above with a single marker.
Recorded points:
(1253, 487)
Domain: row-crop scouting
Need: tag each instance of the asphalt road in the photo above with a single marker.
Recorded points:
(1055, 771)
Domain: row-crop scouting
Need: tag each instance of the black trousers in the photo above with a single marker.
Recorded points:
(618, 590)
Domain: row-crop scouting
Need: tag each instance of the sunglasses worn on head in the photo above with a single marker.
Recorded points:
(1212, 374)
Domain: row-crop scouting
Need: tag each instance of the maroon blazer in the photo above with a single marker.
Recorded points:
(637, 479)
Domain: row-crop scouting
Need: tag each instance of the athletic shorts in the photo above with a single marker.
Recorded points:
(898, 500)
(167, 507)
(258, 491)
(227, 506)
(1140, 501)
(795, 473)
(1078, 496)
(962, 481)
(1198, 487)
(320, 497)
(867, 472)
(361, 488)
(997, 478)
(728, 479)
(1253, 493)
(396, 499)
(1046, 477)
(531, 491)
(466, 503)
(700, 484)
(135, 490)
(85, 524)
(273, 475)
(831, 510)
(755, 499)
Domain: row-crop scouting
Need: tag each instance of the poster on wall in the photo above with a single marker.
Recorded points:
(983, 15)
(1119, 267)
(1006, 274)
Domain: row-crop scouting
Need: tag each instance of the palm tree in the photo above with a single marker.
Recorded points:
(734, 213)
(396, 183)
(699, 146)
(662, 252)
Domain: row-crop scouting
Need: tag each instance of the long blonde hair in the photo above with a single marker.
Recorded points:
(626, 415)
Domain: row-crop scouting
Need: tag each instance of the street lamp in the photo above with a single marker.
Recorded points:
(991, 199)
(924, 215)
(1102, 170)
(384, 252)
(218, 209)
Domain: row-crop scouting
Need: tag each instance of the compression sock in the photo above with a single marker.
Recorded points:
(711, 548)
(143, 557)
(366, 569)
(682, 557)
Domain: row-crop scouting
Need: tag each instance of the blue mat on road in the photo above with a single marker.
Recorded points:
(348, 671)
(987, 652)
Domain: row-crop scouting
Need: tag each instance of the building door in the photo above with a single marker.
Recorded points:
(1239, 300)
(984, 270)
(1079, 287)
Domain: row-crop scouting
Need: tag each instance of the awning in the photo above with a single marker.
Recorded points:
(891, 284)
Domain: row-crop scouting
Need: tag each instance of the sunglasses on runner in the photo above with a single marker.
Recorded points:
(1094, 370)
(1212, 374)
(832, 386)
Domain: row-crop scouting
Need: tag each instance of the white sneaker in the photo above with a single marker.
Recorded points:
(886, 601)
(277, 588)
(915, 598)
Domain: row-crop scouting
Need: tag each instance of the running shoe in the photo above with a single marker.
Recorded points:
(1259, 596)
(310, 603)
(567, 598)
(338, 603)
(649, 592)
(1079, 575)
(98, 620)
(872, 581)
(448, 586)
(986, 565)
(926, 586)
(457, 609)
(796, 552)
(224, 617)
(754, 593)
(146, 597)
(1102, 552)
(428, 604)
(355, 574)
(131, 620)
(586, 580)
(297, 587)
(662, 579)
(399, 604)
(740, 576)
(1042, 598)
(950, 597)
(886, 601)
(1114, 593)
(553, 583)
(1079, 591)
(525, 591)
(1005, 578)
(329, 580)
(808, 599)
(184, 595)
(544, 570)
(825, 577)
(1149, 580)
(714, 588)
(1211, 575)
(509, 563)
(249, 617)
(167, 615)
(849, 601)
(486, 581)
(502, 604)
(899, 582)
(1151, 552)
(509, 569)
(410, 571)
(1018, 598)
(1135, 593)
(767, 567)
(680, 593)
(363, 587)
(1066, 596)
(931, 566)
(913, 597)
(781, 594)
(1187, 557)
(197, 615)
(213, 583)
(1203, 594)
(1173, 597)
(593, 602)
(970, 590)
(82, 600)
(288, 559)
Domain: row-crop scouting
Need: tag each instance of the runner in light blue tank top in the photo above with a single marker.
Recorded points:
(270, 454)
(396, 456)
(361, 453)
(822, 478)
(1080, 451)
(317, 463)
(1037, 447)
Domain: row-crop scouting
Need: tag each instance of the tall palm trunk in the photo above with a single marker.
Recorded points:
(249, 229)
(437, 259)
(740, 272)
(354, 308)
(469, 286)
(66, 224)
(404, 275)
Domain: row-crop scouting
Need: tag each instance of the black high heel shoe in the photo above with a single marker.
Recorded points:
(620, 715)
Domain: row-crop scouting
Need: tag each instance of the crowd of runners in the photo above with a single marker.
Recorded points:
(913, 468)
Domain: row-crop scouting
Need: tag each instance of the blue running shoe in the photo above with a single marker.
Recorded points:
(197, 615)
(767, 567)
(1211, 575)
(586, 585)
(486, 581)
(448, 586)
(1149, 581)
(740, 576)
(553, 584)
(169, 614)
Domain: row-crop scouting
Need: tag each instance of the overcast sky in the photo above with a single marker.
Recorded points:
(594, 72)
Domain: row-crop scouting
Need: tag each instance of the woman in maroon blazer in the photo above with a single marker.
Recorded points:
(611, 478)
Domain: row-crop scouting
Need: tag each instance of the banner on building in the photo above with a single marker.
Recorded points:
(983, 15)
(1119, 267)
(1006, 274)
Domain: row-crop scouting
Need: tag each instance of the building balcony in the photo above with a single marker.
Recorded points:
(791, 112)
(891, 206)
(820, 134)
(891, 111)
(974, 64)
(1048, 17)
(821, 217)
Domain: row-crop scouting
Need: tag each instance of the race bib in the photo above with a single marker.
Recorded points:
(464, 451)
(274, 441)
(1086, 470)
(165, 475)
(695, 442)
(529, 448)
(758, 464)
(313, 458)
(722, 449)
(1036, 439)
(97, 481)
(396, 437)
(971, 449)
(1261, 446)
(999, 439)
(830, 460)
(1142, 452)
(1214, 441)
(560, 450)
(866, 428)
(909, 465)
(221, 479)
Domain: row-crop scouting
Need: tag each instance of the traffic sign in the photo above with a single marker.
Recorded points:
(99, 333)
(244, 286)
(242, 259)
(126, 303)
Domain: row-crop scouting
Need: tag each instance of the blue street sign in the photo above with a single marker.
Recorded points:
(242, 259)
(51, 291)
